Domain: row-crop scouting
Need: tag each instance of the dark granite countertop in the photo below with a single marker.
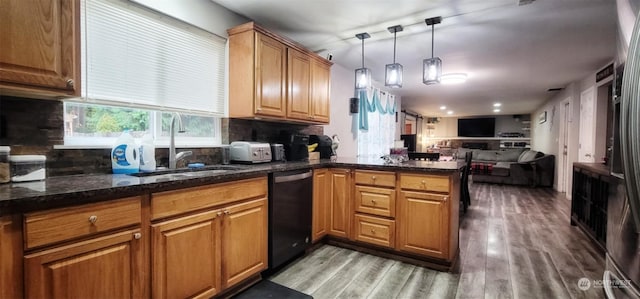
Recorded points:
(79, 189)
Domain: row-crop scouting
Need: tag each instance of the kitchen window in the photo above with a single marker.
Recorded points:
(377, 125)
(138, 67)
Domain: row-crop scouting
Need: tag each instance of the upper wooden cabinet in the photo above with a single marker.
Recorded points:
(40, 53)
(275, 78)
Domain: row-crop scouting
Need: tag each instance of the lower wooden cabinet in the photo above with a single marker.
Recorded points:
(11, 257)
(110, 266)
(321, 202)
(375, 230)
(423, 224)
(340, 208)
(244, 241)
(186, 256)
(199, 254)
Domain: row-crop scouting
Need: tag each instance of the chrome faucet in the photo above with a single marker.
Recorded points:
(173, 157)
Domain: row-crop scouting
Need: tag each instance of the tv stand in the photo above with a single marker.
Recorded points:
(475, 145)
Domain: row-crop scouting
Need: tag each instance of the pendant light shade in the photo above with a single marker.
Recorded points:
(393, 72)
(432, 67)
(431, 70)
(363, 74)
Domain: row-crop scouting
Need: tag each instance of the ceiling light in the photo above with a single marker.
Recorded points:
(432, 67)
(496, 110)
(393, 72)
(453, 78)
(443, 107)
(497, 105)
(363, 75)
(449, 112)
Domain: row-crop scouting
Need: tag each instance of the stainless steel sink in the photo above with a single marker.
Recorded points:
(190, 172)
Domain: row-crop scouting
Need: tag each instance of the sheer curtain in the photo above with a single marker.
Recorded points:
(377, 123)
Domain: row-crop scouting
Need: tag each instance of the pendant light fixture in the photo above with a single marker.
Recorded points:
(393, 72)
(432, 67)
(363, 75)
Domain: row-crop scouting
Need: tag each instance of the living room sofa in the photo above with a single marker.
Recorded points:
(511, 166)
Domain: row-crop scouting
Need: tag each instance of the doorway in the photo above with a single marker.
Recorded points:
(564, 166)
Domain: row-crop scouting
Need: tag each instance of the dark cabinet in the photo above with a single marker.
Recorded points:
(589, 200)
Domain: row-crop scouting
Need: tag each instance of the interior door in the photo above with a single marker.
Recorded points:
(586, 148)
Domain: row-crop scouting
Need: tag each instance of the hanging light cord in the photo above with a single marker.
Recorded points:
(363, 53)
(432, 29)
(394, 46)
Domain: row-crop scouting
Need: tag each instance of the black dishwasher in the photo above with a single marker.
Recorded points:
(290, 202)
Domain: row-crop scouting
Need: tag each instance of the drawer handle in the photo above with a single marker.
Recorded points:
(93, 219)
(423, 182)
(373, 178)
(137, 236)
(373, 231)
(373, 201)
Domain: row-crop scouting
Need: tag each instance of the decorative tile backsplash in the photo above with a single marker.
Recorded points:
(33, 127)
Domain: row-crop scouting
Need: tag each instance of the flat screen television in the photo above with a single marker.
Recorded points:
(477, 127)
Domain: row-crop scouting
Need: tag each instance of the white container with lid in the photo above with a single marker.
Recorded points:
(25, 168)
(5, 176)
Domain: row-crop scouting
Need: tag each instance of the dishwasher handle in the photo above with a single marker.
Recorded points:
(293, 177)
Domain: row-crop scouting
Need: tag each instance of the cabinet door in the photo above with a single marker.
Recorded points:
(299, 85)
(270, 77)
(320, 91)
(105, 267)
(40, 46)
(10, 257)
(423, 224)
(321, 193)
(340, 202)
(186, 257)
(244, 241)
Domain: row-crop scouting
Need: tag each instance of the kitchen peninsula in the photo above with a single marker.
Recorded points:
(138, 235)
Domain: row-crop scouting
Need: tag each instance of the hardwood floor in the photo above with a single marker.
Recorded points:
(514, 243)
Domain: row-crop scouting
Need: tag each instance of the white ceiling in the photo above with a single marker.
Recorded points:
(511, 53)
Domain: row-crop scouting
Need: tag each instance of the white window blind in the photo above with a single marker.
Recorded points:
(136, 57)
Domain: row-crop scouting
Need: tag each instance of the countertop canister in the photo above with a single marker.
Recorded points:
(5, 174)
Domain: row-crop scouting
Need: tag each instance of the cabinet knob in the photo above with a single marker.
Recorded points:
(445, 198)
(219, 214)
(373, 201)
(259, 109)
(373, 177)
(137, 236)
(226, 212)
(93, 219)
(423, 182)
(373, 231)
(70, 83)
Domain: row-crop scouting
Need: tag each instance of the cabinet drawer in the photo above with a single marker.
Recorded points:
(177, 202)
(376, 178)
(57, 225)
(375, 230)
(376, 201)
(424, 182)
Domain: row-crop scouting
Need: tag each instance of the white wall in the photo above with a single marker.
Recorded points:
(545, 137)
(342, 122)
(201, 13)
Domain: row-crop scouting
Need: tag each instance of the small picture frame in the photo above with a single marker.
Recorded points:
(542, 118)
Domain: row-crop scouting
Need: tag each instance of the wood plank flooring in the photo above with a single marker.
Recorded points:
(514, 243)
